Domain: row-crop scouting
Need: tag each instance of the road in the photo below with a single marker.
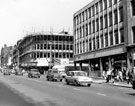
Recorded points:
(47, 93)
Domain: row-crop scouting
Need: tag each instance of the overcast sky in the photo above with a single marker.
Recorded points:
(19, 17)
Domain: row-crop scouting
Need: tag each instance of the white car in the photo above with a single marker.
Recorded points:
(78, 78)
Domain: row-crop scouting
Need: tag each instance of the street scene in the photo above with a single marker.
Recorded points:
(67, 53)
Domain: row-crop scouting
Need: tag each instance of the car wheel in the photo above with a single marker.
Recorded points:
(38, 76)
(67, 82)
(60, 80)
(76, 83)
(89, 85)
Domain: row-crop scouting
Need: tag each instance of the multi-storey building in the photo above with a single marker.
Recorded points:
(104, 35)
(44, 50)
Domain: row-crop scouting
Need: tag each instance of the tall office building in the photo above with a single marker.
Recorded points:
(104, 35)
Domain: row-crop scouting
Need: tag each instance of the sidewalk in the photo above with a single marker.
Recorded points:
(103, 81)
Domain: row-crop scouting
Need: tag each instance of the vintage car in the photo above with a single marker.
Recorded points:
(78, 78)
(54, 75)
(34, 73)
(6, 72)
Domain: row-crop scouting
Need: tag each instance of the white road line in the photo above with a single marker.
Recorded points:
(76, 89)
(101, 94)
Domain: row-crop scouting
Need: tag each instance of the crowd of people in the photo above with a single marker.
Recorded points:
(117, 75)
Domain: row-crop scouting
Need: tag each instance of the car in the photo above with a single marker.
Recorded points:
(78, 78)
(54, 75)
(34, 73)
(19, 73)
(12, 71)
(6, 72)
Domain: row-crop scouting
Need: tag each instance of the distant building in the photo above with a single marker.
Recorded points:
(45, 50)
(6, 54)
(104, 35)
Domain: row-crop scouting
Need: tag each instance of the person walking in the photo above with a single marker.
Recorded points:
(108, 76)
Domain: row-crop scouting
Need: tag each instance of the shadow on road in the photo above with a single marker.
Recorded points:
(132, 94)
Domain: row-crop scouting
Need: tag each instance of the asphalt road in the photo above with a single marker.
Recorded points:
(48, 93)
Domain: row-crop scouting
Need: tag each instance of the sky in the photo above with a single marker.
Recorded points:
(21, 17)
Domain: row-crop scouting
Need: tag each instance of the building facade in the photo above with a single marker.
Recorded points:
(44, 50)
(104, 35)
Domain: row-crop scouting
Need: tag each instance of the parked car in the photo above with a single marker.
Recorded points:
(34, 73)
(54, 75)
(78, 78)
(12, 71)
(19, 73)
(6, 72)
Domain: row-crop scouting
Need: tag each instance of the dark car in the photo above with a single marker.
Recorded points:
(19, 73)
(34, 73)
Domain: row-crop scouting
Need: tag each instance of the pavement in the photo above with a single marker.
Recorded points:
(103, 81)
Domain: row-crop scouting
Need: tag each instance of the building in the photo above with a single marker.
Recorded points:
(45, 50)
(6, 55)
(104, 35)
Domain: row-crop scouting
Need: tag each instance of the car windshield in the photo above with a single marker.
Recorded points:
(80, 74)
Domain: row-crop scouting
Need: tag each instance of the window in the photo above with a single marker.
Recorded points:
(96, 8)
(83, 46)
(133, 33)
(121, 14)
(101, 5)
(89, 28)
(82, 16)
(115, 1)
(116, 37)
(90, 45)
(93, 10)
(102, 41)
(93, 22)
(86, 29)
(94, 46)
(133, 7)
(115, 17)
(110, 19)
(83, 31)
(106, 23)
(97, 39)
(101, 23)
(97, 25)
(111, 38)
(41, 46)
(110, 3)
(105, 4)
(89, 12)
(122, 35)
(106, 40)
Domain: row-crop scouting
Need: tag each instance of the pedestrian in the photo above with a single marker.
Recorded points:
(108, 76)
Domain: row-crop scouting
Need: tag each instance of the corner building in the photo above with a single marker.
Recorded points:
(104, 35)
(38, 50)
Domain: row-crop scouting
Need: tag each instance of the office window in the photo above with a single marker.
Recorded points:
(90, 45)
(106, 40)
(93, 22)
(133, 33)
(106, 23)
(102, 41)
(121, 14)
(110, 19)
(110, 3)
(97, 25)
(89, 10)
(101, 5)
(116, 37)
(83, 46)
(90, 28)
(83, 31)
(111, 38)
(115, 17)
(41, 46)
(122, 35)
(115, 1)
(96, 8)
(94, 45)
(87, 45)
(37, 46)
(80, 32)
(41, 55)
(86, 14)
(101, 23)
(97, 39)
(93, 10)
(86, 29)
(133, 7)
(105, 4)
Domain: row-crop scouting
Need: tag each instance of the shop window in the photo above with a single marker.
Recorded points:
(133, 7)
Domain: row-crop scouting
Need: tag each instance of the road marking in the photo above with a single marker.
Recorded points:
(101, 94)
(76, 89)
